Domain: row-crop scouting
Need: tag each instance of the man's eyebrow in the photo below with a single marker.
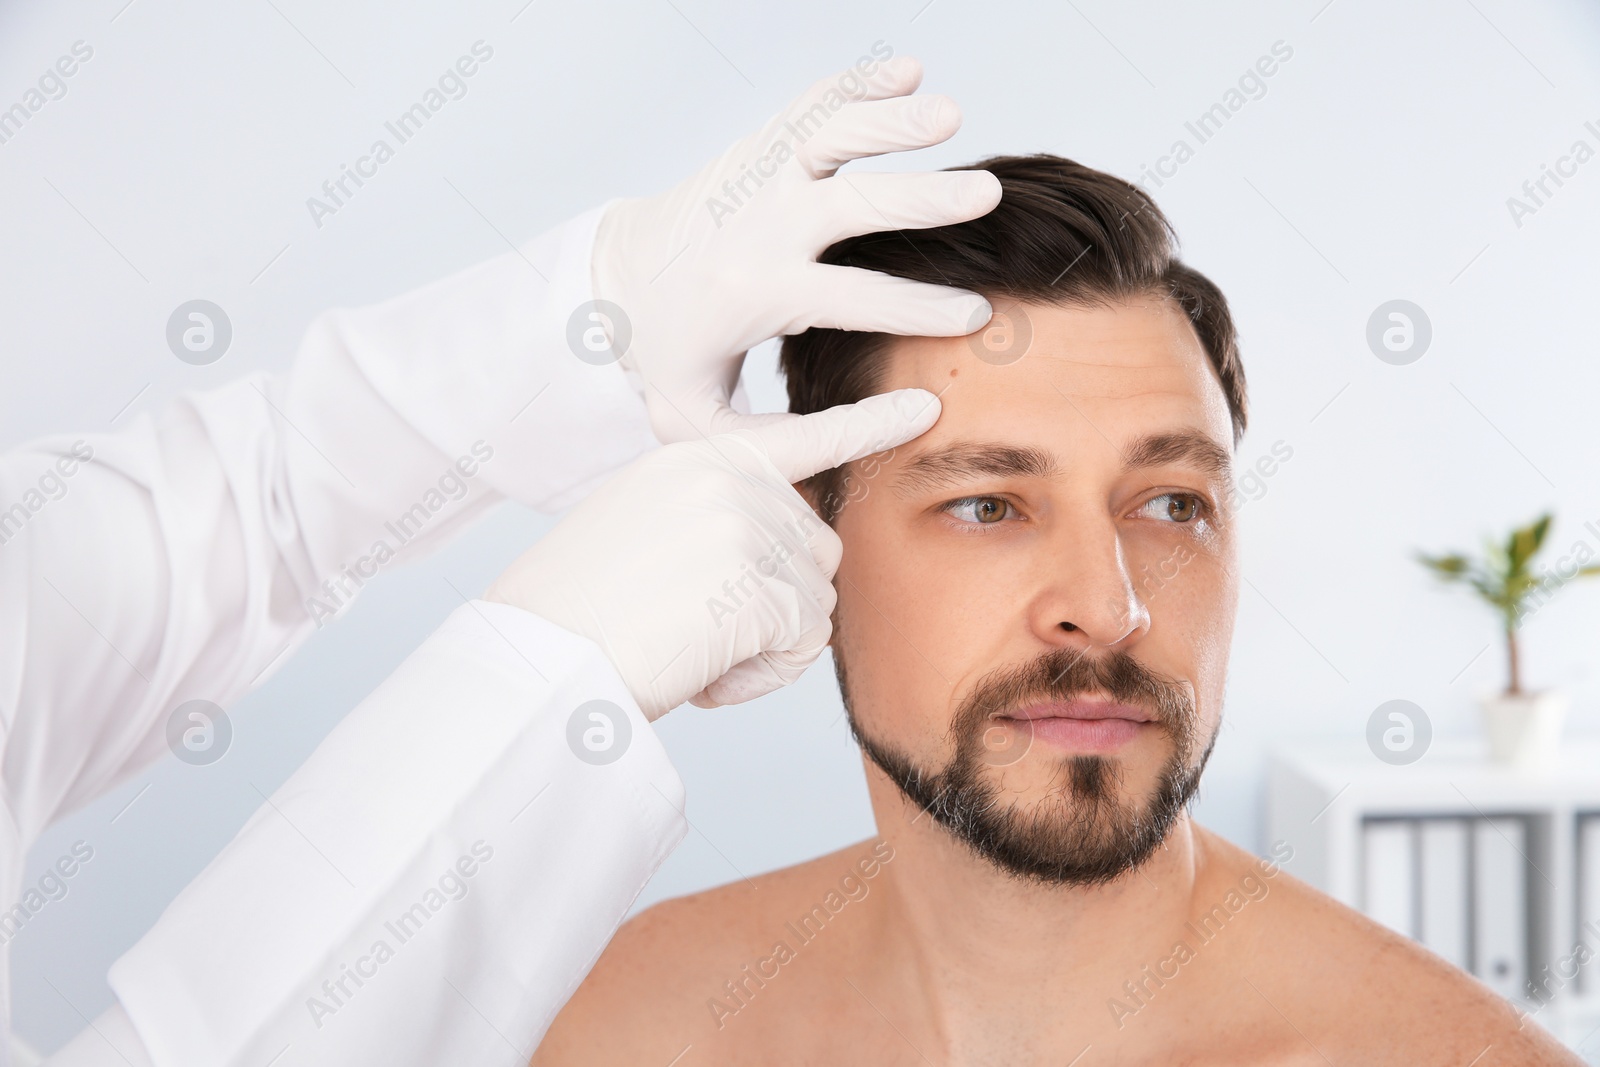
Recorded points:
(965, 460)
(1190, 446)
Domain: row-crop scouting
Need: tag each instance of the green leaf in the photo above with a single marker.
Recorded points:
(1501, 577)
(1445, 566)
(1526, 541)
(1541, 528)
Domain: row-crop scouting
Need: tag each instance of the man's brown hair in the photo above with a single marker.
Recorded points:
(1063, 233)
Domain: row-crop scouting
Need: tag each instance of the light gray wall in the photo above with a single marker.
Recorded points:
(1376, 166)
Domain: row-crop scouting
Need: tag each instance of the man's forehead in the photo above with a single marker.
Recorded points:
(1129, 380)
(1143, 337)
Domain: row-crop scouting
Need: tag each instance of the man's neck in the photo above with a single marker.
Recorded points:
(974, 951)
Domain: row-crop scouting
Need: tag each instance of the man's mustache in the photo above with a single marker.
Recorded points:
(1062, 675)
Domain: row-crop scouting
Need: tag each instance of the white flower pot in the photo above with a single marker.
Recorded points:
(1524, 729)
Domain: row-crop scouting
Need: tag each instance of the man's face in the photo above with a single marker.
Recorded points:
(1037, 596)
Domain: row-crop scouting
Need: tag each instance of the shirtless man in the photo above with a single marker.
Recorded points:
(1034, 613)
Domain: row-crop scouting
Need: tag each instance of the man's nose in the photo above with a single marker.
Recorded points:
(1086, 596)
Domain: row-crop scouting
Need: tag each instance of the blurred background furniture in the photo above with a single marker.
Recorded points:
(1496, 870)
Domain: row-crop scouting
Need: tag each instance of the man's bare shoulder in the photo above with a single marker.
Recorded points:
(670, 970)
(1356, 989)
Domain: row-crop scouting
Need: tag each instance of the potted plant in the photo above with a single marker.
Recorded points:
(1524, 727)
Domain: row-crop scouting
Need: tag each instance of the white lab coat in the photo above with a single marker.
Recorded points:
(434, 882)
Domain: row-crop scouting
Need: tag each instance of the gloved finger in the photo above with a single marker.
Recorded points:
(893, 77)
(810, 576)
(874, 127)
(727, 420)
(805, 444)
(795, 578)
(828, 551)
(753, 678)
(807, 533)
(850, 204)
(851, 298)
(759, 675)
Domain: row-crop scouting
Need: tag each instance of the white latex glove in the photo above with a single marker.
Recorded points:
(698, 568)
(696, 276)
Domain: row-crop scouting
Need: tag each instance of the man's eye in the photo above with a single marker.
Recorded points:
(1177, 507)
(979, 509)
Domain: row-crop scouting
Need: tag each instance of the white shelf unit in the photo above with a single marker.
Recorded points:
(1325, 796)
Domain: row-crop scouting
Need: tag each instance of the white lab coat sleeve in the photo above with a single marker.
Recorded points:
(184, 556)
(432, 885)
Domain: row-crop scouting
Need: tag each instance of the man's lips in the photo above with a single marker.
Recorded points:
(1080, 725)
(1083, 710)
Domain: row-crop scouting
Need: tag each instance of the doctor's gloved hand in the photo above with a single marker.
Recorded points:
(698, 568)
(726, 260)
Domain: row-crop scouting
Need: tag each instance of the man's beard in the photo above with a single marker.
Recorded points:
(1081, 832)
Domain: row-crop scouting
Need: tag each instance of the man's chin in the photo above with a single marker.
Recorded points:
(1066, 790)
(1073, 820)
